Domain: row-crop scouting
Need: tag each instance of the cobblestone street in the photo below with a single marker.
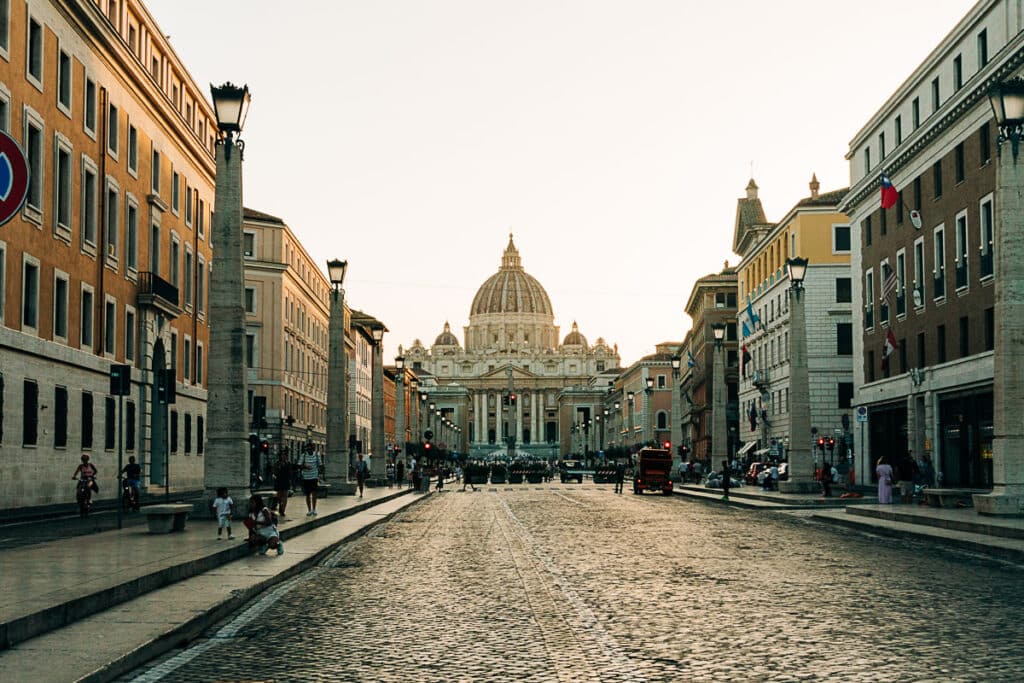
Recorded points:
(574, 583)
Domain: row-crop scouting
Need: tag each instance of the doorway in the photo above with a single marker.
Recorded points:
(157, 421)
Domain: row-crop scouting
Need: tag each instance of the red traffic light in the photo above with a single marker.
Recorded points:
(667, 445)
(264, 446)
(426, 446)
(512, 398)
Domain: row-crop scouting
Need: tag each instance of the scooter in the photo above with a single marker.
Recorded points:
(129, 496)
(83, 494)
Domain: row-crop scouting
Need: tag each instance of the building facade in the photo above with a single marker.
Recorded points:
(287, 309)
(512, 347)
(816, 230)
(935, 138)
(108, 261)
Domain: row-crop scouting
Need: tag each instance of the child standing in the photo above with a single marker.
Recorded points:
(223, 505)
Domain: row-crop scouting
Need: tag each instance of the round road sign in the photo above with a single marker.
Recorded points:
(14, 175)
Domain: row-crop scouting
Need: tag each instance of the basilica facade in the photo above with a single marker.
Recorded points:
(514, 375)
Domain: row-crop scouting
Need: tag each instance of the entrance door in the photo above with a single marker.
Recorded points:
(157, 423)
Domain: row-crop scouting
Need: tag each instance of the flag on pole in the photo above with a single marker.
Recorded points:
(691, 362)
(889, 193)
(746, 330)
(890, 344)
(754, 317)
(745, 359)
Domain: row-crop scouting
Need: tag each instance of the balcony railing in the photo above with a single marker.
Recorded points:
(986, 269)
(869, 317)
(961, 274)
(901, 303)
(159, 293)
(760, 378)
(940, 284)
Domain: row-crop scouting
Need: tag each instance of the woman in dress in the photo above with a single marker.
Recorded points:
(884, 473)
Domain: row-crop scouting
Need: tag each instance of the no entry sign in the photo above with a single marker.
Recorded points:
(14, 175)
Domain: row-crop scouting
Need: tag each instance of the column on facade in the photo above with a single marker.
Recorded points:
(534, 431)
(519, 423)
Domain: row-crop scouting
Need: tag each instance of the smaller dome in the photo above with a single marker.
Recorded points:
(446, 338)
(574, 338)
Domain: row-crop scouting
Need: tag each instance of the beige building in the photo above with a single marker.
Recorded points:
(287, 315)
(108, 261)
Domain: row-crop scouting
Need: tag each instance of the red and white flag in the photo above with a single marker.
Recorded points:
(889, 193)
(890, 344)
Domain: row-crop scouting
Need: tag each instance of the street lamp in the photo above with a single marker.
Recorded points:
(377, 403)
(399, 403)
(629, 413)
(227, 462)
(648, 409)
(719, 434)
(676, 429)
(336, 463)
(801, 464)
(1007, 497)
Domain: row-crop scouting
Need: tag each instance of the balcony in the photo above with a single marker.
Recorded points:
(159, 293)
(760, 378)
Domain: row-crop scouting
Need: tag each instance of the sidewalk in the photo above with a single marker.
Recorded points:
(957, 527)
(50, 585)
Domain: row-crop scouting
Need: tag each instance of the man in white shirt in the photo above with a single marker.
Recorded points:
(309, 467)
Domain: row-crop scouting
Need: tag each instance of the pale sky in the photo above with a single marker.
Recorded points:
(611, 137)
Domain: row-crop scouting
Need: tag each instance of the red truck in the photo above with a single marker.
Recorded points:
(653, 467)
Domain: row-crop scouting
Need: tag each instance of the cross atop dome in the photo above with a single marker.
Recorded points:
(510, 259)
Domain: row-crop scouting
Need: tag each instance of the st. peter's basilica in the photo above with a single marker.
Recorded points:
(512, 348)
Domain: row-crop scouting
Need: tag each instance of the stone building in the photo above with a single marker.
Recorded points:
(816, 230)
(512, 347)
(108, 261)
(935, 138)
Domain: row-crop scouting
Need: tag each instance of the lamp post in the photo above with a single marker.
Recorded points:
(377, 439)
(600, 434)
(801, 465)
(227, 454)
(1007, 497)
(629, 414)
(648, 410)
(399, 403)
(336, 463)
(414, 413)
(618, 417)
(676, 428)
(719, 433)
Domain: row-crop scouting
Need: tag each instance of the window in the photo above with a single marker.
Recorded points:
(60, 305)
(200, 221)
(86, 319)
(175, 191)
(901, 282)
(915, 112)
(883, 222)
(985, 144)
(200, 434)
(961, 251)
(250, 300)
(898, 124)
(62, 189)
(109, 326)
(249, 245)
(174, 352)
(154, 248)
(866, 229)
(200, 363)
(250, 350)
(133, 150)
(30, 413)
(129, 334)
(60, 417)
(86, 420)
(936, 99)
(112, 130)
(188, 205)
(188, 433)
(883, 308)
(113, 209)
(89, 115)
(155, 186)
(30, 294)
(985, 214)
(982, 48)
(917, 192)
(939, 267)
(940, 344)
(869, 299)
(881, 146)
(990, 329)
(110, 423)
(867, 160)
(958, 72)
(34, 152)
(189, 265)
(5, 104)
(844, 339)
(89, 202)
(937, 178)
(844, 290)
(201, 286)
(965, 339)
(131, 234)
(903, 354)
(64, 82)
(5, 27)
(129, 426)
(175, 261)
(187, 365)
(958, 163)
(922, 357)
(840, 238)
(174, 431)
(918, 285)
(34, 58)
(845, 391)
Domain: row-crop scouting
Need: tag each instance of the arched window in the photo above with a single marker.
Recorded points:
(662, 420)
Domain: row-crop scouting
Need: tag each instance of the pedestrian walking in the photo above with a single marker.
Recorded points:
(620, 476)
(884, 472)
(309, 467)
(400, 473)
(389, 473)
(825, 477)
(440, 478)
(262, 525)
(414, 472)
(466, 475)
(906, 472)
(223, 506)
(282, 480)
(362, 471)
(726, 480)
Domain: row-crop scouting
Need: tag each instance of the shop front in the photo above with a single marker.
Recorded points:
(965, 458)
(888, 433)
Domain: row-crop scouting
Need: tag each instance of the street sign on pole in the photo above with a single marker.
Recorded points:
(862, 414)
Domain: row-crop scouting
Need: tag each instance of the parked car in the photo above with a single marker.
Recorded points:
(755, 469)
(569, 470)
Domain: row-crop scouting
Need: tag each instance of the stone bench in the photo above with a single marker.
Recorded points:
(949, 498)
(163, 519)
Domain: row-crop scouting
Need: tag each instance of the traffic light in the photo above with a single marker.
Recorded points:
(512, 399)
(504, 399)
(427, 447)
(831, 444)
(683, 450)
(821, 443)
(264, 447)
(667, 445)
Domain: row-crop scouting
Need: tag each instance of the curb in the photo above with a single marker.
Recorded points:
(752, 503)
(193, 628)
(35, 624)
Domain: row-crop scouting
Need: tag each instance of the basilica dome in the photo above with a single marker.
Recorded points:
(574, 338)
(446, 338)
(511, 289)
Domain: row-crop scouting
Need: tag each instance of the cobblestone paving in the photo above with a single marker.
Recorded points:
(573, 583)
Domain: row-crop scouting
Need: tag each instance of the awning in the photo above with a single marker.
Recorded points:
(762, 451)
(746, 447)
